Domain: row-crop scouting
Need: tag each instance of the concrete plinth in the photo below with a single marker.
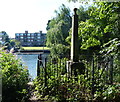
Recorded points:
(75, 68)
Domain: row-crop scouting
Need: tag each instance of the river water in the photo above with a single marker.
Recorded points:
(30, 61)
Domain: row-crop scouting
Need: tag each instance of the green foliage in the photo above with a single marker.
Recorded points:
(61, 86)
(89, 35)
(5, 40)
(9, 43)
(59, 50)
(112, 48)
(58, 29)
(111, 93)
(59, 26)
(15, 43)
(55, 80)
(82, 14)
(101, 26)
(14, 79)
(99, 33)
(5, 37)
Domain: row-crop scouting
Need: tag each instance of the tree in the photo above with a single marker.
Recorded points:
(102, 26)
(58, 28)
(82, 14)
(5, 37)
(15, 43)
(5, 40)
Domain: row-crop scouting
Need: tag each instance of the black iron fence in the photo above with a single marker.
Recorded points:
(99, 73)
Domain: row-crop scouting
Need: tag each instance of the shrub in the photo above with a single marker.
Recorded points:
(58, 85)
(14, 78)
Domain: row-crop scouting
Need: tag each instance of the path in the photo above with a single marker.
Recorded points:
(32, 98)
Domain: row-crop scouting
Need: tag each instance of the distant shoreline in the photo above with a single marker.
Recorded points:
(32, 51)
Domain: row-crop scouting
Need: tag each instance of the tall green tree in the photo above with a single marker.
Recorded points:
(15, 43)
(5, 40)
(5, 37)
(102, 26)
(58, 29)
(83, 14)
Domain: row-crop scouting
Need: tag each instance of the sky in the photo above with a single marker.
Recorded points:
(16, 16)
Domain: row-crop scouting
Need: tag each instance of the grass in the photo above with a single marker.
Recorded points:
(35, 48)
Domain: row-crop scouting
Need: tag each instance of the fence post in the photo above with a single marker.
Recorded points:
(111, 70)
(38, 64)
(45, 72)
(93, 72)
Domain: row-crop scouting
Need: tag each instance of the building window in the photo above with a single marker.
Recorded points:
(21, 37)
(28, 37)
(17, 34)
(38, 34)
(21, 40)
(28, 40)
(32, 34)
(28, 34)
(21, 34)
(32, 37)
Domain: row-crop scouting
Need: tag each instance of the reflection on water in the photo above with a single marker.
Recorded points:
(30, 61)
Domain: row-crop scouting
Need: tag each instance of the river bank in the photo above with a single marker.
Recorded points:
(32, 51)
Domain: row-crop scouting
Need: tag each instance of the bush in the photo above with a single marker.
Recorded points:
(14, 79)
(56, 84)
(59, 50)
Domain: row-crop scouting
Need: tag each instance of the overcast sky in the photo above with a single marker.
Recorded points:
(16, 16)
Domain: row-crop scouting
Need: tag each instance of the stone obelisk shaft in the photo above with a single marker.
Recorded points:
(74, 39)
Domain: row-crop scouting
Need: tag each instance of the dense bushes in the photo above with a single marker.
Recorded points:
(55, 84)
(14, 79)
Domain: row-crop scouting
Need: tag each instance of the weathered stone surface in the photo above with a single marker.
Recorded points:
(74, 39)
(74, 67)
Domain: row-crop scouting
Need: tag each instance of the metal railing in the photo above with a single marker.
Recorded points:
(98, 72)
